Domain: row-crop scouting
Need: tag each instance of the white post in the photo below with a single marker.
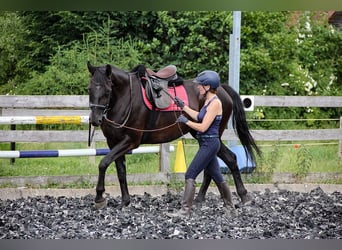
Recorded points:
(234, 60)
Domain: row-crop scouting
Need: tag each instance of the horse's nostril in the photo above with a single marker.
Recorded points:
(96, 123)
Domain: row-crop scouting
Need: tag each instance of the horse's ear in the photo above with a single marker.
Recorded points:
(108, 70)
(91, 68)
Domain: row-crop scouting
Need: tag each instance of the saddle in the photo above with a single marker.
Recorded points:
(157, 85)
(167, 73)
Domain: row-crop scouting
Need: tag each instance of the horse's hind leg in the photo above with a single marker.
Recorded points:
(230, 159)
(121, 173)
(204, 187)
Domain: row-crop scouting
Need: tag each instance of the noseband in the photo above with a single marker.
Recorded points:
(94, 107)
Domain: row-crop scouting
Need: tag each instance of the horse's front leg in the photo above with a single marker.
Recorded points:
(121, 173)
(100, 202)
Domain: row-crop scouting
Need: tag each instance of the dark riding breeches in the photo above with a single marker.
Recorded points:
(206, 158)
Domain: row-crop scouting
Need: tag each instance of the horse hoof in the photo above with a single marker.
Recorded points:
(101, 204)
(230, 212)
(247, 199)
(199, 202)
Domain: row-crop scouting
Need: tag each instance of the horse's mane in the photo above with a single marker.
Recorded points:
(140, 69)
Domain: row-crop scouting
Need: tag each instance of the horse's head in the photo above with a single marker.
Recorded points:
(100, 91)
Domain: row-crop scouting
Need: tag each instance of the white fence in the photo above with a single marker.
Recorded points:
(18, 106)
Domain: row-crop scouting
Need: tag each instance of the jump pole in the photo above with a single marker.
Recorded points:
(14, 120)
(44, 119)
(74, 152)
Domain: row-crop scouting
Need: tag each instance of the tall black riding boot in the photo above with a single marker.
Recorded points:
(226, 195)
(188, 197)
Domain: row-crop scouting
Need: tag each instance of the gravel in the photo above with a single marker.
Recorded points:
(275, 215)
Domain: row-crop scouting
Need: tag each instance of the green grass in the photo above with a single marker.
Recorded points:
(142, 163)
(324, 156)
(278, 157)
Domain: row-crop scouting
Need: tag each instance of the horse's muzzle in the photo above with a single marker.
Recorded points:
(95, 119)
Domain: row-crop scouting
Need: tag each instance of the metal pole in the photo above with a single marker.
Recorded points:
(234, 52)
(234, 60)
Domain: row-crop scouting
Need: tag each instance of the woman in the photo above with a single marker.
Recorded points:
(206, 122)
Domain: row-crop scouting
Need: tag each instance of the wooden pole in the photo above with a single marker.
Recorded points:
(340, 142)
(164, 158)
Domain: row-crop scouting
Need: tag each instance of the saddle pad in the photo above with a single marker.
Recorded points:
(181, 93)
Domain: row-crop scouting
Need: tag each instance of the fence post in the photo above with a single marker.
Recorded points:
(340, 142)
(12, 144)
(164, 158)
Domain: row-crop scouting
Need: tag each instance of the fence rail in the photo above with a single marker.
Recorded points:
(82, 136)
(82, 102)
(299, 101)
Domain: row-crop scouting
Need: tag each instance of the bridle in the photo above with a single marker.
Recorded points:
(106, 108)
(94, 107)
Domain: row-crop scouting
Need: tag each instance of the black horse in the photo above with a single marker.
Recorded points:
(117, 105)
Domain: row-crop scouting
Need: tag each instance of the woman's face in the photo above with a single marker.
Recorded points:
(203, 88)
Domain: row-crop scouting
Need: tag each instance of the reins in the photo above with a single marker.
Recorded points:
(118, 125)
(123, 125)
(90, 135)
(130, 103)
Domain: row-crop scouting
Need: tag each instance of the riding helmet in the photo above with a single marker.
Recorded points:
(208, 77)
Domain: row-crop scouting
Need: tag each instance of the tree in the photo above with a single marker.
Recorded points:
(12, 44)
(275, 59)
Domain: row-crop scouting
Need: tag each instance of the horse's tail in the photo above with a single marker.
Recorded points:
(240, 124)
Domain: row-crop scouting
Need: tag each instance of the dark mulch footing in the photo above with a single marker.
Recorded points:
(281, 214)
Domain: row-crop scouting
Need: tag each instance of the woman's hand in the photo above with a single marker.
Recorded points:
(179, 102)
(182, 119)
